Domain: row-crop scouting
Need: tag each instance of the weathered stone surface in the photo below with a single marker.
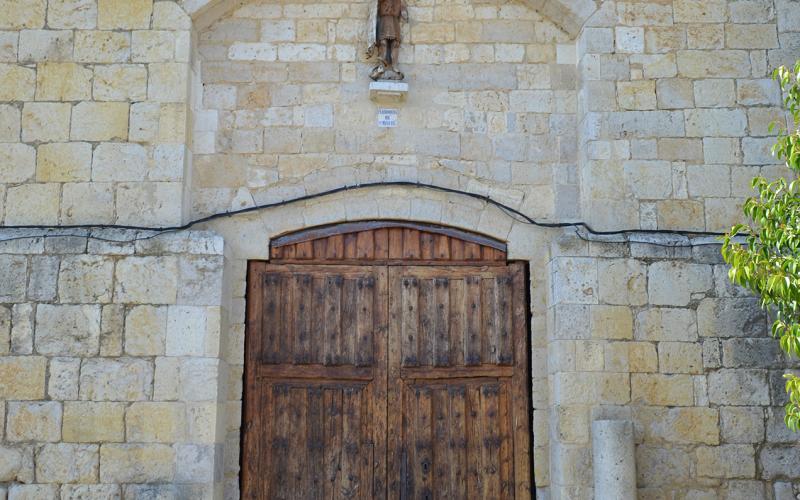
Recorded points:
(63, 381)
(675, 283)
(85, 278)
(136, 463)
(13, 274)
(122, 379)
(124, 14)
(662, 466)
(63, 81)
(575, 281)
(145, 331)
(90, 422)
(779, 461)
(738, 387)
(33, 492)
(680, 357)
(96, 121)
(662, 390)
(18, 161)
(731, 317)
(17, 83)
(726, 461)
(32, 204)
(19, 15)
(751, 353)
(69, 14)
(64, 162)
(679, 425)
(742, 424)
(68, 330)
(195, 463)
(67, 463)
(33, 421)
(90, 491)
(45, 45)
(149, 422)
(102, 46)
(29, 387)
(148, 280)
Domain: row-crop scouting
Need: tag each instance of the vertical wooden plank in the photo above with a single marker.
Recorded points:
(318, 313)
(506, 472)
(333, 316)
(304, 250)
(381, 243)
(350, 240)
(458, 317)
(365, 326)
(303, 290)
(315, 429)
(423, 480)
(396, 453)
(276, 253)
(521, 385)
(456, 249)
(296, 434)
(395, 243)
(409, 320)
(491, 444)
(335, 247)
(505, 320)
(253, 397)
(426, 248)
(441, 330)
(333, 442)
(457, 442)
(441, 247)
(351, 434)
(271, 319)
(365, 245)
(440, 410)
(474, 445)
(280, 445)
(263, 427)
(427, 321)
(349, 321)
(409, 441)
(286, 335)
(381, 397)
(411, 244)
(472, 251)
(320, 248)
(489, 320)
(472, 337)
(289, 252)
(366, 445)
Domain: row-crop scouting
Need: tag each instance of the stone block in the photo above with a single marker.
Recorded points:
(629, 39)
(136, 463)
(575, 280)
(9, 41)
(674, 93)
(72, 14)
(680, 149)
(67, 330)
(124, 14)
(13, 275)
(153, 46)
(726, 461)
(33, 492)
(200, 281)
(245, 51)
(149, 422)
(17, 163)
(680, 357)
(22, 321)
(13, 464)
(716, 122)
(64, 162)
(63, 82)
(149, 203)
(32, 204)
(632, 124)
(611, 322)
(90, 491)
(87, 202)
(761, 118)
(45, 45)
(657, 465)
(170, 16)
(166, 383)
(22, 15)
(751, 36)
(145, 331)
(700, 11)
(120, 82)
(758, 151)
(721, 150)
(87, 422)
(738, 387)
(199, 379)
(102, 46)
(642, 357)
(742, 424)
(33, 421)
(146, 280)
(779, 461)
(751, 353)
(17, 83)
(188, 329)
(674, 283)
(10, 123)
(678, 425)
(100, 121)
(637, 95)
(67, 463)
(708, 180)
(168, 82)
(45, 122)
(713, 64)
(5, 331)
(731, 317)
(116, 379)
(195, 463)
(63, 381)
(662, 390)
(622, 282)
(114, 162)
(85, 278)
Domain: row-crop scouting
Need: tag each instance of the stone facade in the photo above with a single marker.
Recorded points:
(121, 353)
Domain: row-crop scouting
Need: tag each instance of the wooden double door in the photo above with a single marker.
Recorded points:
(376, 381)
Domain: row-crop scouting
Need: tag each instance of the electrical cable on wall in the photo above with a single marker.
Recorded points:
(683, 238)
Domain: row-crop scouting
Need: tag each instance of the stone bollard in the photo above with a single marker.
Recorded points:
(614, 461)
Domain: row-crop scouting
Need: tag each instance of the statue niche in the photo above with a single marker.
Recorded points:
(386, 38)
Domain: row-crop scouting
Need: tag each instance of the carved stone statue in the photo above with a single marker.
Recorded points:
(387, 38)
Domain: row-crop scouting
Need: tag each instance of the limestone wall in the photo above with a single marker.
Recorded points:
(659, 336)
(285, 105)
(109, 366)
(676, 98)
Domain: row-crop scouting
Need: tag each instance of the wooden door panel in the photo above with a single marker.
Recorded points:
(316, 375)
(455, 316)
(457, 440)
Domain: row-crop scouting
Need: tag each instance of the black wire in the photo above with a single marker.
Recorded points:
(512, 212)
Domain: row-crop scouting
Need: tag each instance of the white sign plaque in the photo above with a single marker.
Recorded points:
(387, 118)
